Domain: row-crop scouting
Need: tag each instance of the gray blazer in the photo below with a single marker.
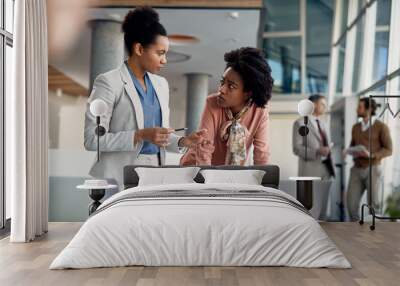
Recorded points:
(313, 166)
(123, 119)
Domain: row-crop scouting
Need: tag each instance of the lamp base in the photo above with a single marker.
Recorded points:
(96, 195)
(304, 130)
(304, 192)
(100, 131)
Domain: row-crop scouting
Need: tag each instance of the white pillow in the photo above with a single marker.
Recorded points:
(249, 177)
(163, 176)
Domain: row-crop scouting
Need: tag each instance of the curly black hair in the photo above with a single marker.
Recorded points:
(254, 71)
(141, 26)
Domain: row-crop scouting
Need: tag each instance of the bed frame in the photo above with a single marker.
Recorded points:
(270, 179)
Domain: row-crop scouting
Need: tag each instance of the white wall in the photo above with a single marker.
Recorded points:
(66, 121)
(280, 138)
(283, 113)
(177, 101)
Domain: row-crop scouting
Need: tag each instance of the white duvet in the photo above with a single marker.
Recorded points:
(200, 231)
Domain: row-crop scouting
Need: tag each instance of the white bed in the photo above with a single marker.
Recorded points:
(225, 225)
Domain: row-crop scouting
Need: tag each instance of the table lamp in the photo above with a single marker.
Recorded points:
(305, 108)
(98, 108)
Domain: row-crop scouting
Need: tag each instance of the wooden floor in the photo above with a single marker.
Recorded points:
(375, 257)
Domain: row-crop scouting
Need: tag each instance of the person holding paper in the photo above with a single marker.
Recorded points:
(381, 147)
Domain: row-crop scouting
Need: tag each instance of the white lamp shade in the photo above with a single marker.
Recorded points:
(98, 107)
(305, 107)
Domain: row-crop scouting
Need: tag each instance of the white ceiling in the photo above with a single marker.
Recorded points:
(216, 30)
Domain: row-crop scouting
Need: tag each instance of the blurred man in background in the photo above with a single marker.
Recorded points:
(318, 162)
(381, 147)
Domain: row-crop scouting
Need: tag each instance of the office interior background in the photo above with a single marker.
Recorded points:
(344, 49)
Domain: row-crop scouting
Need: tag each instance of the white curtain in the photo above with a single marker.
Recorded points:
(26, 123)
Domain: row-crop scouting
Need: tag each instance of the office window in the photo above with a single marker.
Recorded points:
(340, 70)
(379, 90)
(297, 39)
(282, 15)
(383, 12)
(358, 53)
(376, 69)
(2, 194)
(6, 44)
(381, 47)
(343, 20)
(318, 41)
(9, 15)
(380, 55)
(361, 5)
(283, 55)
(8, 73)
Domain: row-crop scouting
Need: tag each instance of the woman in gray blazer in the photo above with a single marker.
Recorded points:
(137, 120)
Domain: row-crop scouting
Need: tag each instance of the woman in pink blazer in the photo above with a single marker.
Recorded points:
(236, 117)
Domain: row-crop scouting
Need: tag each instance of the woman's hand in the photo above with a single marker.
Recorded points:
(194, 139)
(157, 135)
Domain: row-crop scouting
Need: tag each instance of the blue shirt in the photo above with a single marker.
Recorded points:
(151, 109)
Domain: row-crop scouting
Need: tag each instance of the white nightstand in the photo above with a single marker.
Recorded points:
(97, 190)
(304, 190)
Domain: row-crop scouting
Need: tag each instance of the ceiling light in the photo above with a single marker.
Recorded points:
(175, 57)
(182, 40)
(114, 16)
(234, 15)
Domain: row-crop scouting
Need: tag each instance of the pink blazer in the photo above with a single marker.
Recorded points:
(256, 120)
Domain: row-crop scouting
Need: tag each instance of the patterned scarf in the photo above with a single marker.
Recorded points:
(235, 134)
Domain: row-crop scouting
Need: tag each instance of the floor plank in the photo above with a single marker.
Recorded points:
(374, 255)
